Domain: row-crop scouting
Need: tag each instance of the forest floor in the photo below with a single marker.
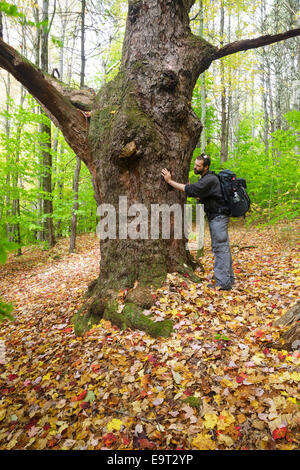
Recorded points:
(214, 384)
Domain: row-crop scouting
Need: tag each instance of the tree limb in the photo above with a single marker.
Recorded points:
(246, 44)
(52, 97)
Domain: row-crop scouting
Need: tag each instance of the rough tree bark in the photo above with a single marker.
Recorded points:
(290, 335)
(141, 122)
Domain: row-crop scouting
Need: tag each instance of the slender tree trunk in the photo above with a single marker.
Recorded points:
(1, 25)
(8, 176)
(266, 114)
(40, 235)
(60, 186)
(78, 161)
(83, 58)
(223, 152)
(15, 182)
(229, 101)
(75, 206)
(263, 85)
(46, 153)
(270, 96)
(278, 72)
(252, 104)
(60, 152)
(37, 41)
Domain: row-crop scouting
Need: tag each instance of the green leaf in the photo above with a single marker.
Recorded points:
(90, 396)
(223, 337)
(5, 311)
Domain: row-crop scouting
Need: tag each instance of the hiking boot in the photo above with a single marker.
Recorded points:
(214, 287)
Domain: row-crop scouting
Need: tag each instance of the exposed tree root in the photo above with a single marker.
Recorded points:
(103, 302)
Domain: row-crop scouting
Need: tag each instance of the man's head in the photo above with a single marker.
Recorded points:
(202, 164)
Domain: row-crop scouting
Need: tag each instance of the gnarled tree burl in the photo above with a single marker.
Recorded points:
(141, 122)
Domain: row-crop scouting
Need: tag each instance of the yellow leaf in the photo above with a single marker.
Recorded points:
(114, 424)
(136, 407)
(11, 444)
(211, 420)
(241, 418)
(217, 399)
(2, 414)
(225, 440)
(203, 442)
(47, 376)
(224, 420)
(227, 383)
(295, 376)
(258, 358)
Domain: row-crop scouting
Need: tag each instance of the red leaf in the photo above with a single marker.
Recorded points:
(67, 330)
(279, 433)
(31, 423)
(239, 379)
(188, 392)
(147, 444)
(12, 377)
(84, 404)
(95, 367)
(81, 395)
(109, 439)
(51, 443)
(259, 334)
(152, 359)
(126, 441)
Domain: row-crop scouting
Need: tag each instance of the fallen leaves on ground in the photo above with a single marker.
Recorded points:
(214, 384)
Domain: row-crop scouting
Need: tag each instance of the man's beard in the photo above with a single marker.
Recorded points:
(198, 172)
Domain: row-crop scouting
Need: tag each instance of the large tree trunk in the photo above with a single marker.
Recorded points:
(144, 122)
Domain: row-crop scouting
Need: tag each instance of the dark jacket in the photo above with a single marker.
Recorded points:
(208, 191)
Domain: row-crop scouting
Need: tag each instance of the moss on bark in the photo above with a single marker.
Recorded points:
(83, 322)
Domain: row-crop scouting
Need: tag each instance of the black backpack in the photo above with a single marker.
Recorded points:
(234, 193)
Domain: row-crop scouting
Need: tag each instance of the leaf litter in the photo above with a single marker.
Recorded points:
(216, 383)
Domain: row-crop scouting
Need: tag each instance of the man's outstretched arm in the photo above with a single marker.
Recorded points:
(167, 176)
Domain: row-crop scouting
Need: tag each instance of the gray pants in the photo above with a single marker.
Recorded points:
(223, 272)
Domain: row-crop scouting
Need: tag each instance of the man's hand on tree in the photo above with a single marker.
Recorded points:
(166, 175)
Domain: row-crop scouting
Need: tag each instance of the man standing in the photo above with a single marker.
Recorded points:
(208, 191)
